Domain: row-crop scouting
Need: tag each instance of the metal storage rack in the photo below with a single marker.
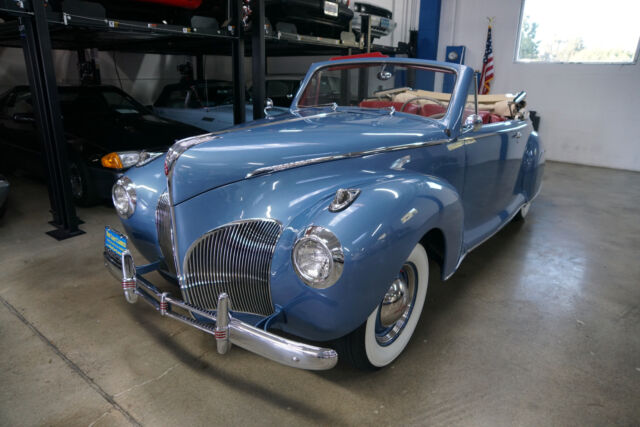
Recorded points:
(34, 26)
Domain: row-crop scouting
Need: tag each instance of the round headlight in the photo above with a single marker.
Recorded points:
(123, 195)
(318, 258)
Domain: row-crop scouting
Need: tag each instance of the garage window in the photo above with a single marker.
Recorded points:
(579, 31)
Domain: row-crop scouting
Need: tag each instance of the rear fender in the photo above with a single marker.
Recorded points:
(532, 166)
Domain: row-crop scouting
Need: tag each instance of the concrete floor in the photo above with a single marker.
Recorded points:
(540, 326)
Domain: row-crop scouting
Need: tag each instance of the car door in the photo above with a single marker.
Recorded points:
(491, 191)
(19, 133)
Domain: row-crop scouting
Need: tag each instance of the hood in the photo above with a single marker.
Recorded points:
(230, 156)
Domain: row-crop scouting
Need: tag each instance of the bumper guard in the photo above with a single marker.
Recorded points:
(227, 329)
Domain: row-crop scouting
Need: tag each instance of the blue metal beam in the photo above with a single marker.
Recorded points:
(428, 31)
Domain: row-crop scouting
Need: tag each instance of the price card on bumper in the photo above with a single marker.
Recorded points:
(114, 242)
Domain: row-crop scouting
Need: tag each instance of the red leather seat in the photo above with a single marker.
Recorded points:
(486, 115)
(409, 108)
(496, 118)
(431, 109)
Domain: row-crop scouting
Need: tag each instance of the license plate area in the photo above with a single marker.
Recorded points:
(115, 243)
(330, 8)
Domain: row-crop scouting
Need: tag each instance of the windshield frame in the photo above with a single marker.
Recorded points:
(463, 76)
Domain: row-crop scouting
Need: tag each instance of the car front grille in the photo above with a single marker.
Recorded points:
(164, 229)
(236, 259)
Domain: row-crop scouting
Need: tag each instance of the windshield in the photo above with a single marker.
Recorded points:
(407, 88)
(80, 101)
(197, 95)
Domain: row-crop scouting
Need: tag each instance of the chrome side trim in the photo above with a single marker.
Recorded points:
(284, 166)
(281, 350)
(351, 155)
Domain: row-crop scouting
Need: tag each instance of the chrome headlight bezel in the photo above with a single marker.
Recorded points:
(327, 242)
(124, 208)
(148, 156)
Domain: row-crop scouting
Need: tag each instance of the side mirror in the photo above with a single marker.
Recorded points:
(268, 104)
(24, 118)
(473, 122)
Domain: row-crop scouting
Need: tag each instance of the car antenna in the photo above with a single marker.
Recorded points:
(206, 88)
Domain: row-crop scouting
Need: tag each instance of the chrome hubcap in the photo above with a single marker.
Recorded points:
(396, 306)
(394, 303)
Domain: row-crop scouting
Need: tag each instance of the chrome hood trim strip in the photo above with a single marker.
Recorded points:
(351, 155)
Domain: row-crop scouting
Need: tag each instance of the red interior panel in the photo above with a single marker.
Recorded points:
(185, 4)
(409, 108)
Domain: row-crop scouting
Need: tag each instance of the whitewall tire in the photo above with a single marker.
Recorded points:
(388, 329)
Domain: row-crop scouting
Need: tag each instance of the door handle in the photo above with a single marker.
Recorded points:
(517, 135)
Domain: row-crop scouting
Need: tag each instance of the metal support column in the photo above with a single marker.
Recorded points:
(200, 67)
(258, 59)
(36, 43)
(365, 27)
(428, 38)
(237, 59)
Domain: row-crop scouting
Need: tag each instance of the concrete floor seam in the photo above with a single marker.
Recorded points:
(75, 368)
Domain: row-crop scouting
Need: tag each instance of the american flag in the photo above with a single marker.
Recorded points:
(487, 66)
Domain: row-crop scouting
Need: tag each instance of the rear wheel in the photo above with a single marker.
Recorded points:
(388, 329)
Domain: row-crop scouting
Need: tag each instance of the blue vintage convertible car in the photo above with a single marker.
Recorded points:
(320, 224)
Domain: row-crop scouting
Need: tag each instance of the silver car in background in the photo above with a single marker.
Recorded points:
(382, 23)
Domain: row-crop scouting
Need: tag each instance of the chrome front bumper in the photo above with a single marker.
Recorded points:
(224, 327)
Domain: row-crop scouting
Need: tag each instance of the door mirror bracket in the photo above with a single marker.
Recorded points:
(473, 122)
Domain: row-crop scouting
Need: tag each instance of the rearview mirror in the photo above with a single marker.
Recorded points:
(24, 118)
(384, 75)
(268, 104)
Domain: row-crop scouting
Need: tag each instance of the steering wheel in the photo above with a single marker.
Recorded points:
(440, 103)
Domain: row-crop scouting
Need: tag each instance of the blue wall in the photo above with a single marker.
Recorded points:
(428, 31)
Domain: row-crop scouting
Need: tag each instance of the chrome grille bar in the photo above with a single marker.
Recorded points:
(235, 259)
(165, 230)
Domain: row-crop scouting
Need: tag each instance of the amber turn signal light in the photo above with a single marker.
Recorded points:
(111, 161)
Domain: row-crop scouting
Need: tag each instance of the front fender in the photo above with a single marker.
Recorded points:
(377, 232)
(150, 182)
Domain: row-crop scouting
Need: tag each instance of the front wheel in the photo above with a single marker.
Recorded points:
(388, 329)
